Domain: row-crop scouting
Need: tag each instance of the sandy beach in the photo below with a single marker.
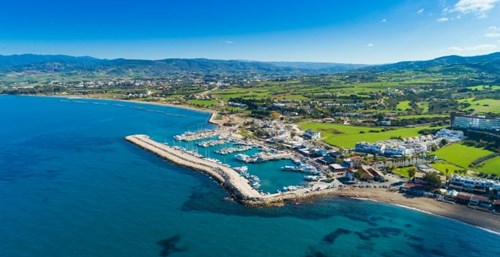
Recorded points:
(431, 206)
(76, 97)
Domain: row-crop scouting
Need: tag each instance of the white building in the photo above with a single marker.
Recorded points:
(312, 135)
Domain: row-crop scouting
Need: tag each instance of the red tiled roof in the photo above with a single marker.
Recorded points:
(464, 196)
(480, 198)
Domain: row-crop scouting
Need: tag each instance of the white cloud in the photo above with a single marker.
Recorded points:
(383, 20)
(477, 48)
(420, 11)
(370, 44)
(442, 19)
(456, 48)
(492, 34)
(228, 42)
(476, 7)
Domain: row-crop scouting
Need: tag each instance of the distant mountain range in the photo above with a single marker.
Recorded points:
(125, 67)
(63, 64)
(489, 63)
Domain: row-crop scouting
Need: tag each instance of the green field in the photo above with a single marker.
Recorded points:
(424, 106)
(348, 136)
(480, 88)
(403, 105)
(461, 155)
(491, 166)
(483, 105)
(442, 166)
(422, 116)
(202, 103)
(403, 171)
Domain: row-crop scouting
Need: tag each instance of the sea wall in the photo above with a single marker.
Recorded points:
(231, 180)
(235, 184)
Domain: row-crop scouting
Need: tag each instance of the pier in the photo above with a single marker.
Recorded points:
(214, 142)
(231, 150)
(191, 136)
(234, 183)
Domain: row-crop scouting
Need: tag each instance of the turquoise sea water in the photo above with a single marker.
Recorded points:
(71, 186)
(272, 178)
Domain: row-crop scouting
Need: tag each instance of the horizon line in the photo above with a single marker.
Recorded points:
(240, 60)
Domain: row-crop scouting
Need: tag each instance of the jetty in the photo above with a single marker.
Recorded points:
(234, 183)
(229, 178)
(231, 150)
(214, 142)
(191, 136)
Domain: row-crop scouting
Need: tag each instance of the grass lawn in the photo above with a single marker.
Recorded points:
(403, 105)
(348, 136)
(491, 166)
(483, 105)
(461, 155)
(203, 103)
(442, 166)
(403, 171)
(494, 87)
(424, 106)
(422, 116)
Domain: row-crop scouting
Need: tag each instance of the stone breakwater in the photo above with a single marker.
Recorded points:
(235, 184)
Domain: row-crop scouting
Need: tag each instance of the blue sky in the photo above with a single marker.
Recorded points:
(355, 31)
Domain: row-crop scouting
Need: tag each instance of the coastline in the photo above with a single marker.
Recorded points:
(482, 220)
(238, 187)
(76, 97)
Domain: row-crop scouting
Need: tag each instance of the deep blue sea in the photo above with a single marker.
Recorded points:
(71, 186)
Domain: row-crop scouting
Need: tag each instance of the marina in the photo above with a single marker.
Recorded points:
(263, 157)
(240, 184)
(191, 136)
(214, 142)
(234, 183)
(304, 168)
(230, 150)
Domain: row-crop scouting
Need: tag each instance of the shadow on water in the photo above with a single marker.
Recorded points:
(423, 251)
(331, 237)
(316, 253)
(209, 197)
(170, 245)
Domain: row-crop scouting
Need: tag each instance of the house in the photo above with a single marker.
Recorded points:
(309, 134)
(371, 174)
(419, 178)
(339, 167)
(355, 162)
(464, 197)
(336, 154)
(496, 206)
(327, 160)
(413, 189)
(320, 152)
(480, 201)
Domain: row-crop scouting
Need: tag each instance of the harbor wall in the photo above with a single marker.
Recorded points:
(235, 184)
